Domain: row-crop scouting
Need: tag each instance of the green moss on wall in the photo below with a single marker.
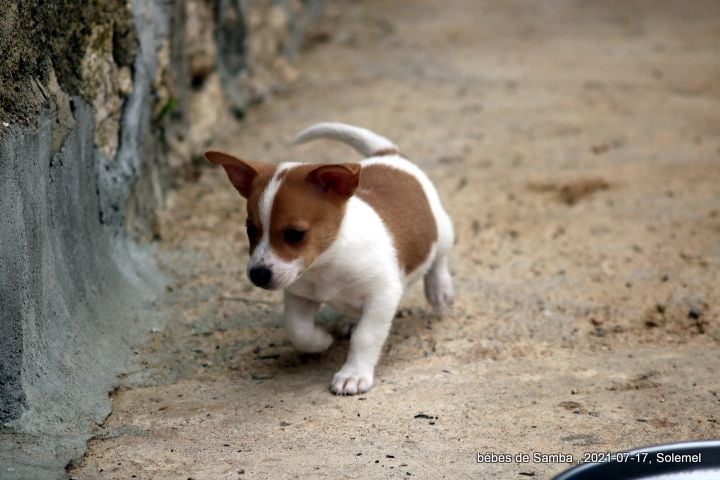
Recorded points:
(35, 35)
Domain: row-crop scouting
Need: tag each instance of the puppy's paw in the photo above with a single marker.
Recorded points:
(351, 381)
(439, 290)
(315, 341)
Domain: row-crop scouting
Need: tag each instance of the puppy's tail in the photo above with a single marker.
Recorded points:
(364, 141)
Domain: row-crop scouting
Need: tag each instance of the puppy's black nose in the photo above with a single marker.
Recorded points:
(260, 276)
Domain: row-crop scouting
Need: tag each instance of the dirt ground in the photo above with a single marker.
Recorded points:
(576, 146)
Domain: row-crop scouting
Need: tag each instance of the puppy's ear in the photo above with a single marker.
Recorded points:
(341, 178)
(240, 172)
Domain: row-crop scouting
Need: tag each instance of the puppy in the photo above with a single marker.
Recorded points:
(350, 235)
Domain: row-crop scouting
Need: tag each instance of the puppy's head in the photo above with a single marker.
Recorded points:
(294, 212)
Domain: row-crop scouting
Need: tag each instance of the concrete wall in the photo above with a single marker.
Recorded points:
(102, 106)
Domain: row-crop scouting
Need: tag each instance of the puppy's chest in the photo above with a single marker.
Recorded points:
(331, 290)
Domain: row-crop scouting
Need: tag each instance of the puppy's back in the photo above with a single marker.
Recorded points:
(400, 200)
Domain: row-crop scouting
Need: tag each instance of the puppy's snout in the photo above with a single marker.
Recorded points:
(260, 276)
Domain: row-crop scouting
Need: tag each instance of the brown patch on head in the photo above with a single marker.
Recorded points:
(311, 199)
(401, 202)
(253, 223)
(250, 178)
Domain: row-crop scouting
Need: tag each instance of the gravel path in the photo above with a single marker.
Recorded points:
(577, 147)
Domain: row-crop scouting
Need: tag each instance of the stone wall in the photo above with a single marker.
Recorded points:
(103, 105)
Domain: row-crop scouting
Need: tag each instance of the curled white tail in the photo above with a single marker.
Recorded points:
(364, 141)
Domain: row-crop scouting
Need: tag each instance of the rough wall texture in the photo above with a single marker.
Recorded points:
(71, 291)
(103, 105)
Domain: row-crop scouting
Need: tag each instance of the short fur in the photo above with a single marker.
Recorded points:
(370, 230)
(400, 201)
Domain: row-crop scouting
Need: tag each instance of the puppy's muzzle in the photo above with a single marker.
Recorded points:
(261, 276)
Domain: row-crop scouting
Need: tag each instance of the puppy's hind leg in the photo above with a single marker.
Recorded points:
(300, 325)
(438, 281)
(438, 284)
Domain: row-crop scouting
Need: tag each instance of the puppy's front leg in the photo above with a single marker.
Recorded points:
(300, 325)
(357, 375)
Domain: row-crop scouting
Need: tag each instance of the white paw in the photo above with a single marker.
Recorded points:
(439, 290)
(351, 381)
(315, 341)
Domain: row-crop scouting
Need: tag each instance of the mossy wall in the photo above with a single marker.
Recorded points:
(37, 36)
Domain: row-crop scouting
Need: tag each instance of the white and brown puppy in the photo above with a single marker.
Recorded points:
(350, 235)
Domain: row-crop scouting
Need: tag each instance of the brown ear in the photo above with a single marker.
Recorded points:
(240, 172)
(340, 178)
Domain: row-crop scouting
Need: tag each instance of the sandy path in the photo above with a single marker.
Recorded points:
(577, 148)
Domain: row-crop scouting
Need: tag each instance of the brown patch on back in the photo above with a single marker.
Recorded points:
(301, 204)
(401, 202)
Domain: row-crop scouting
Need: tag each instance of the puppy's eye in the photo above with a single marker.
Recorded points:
(293, 236)
(252, 232)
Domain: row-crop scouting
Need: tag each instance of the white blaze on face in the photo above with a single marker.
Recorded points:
(283, 272)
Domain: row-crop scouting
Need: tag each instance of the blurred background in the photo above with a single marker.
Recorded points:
(575, 144)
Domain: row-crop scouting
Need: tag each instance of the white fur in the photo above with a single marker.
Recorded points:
(359, 273)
